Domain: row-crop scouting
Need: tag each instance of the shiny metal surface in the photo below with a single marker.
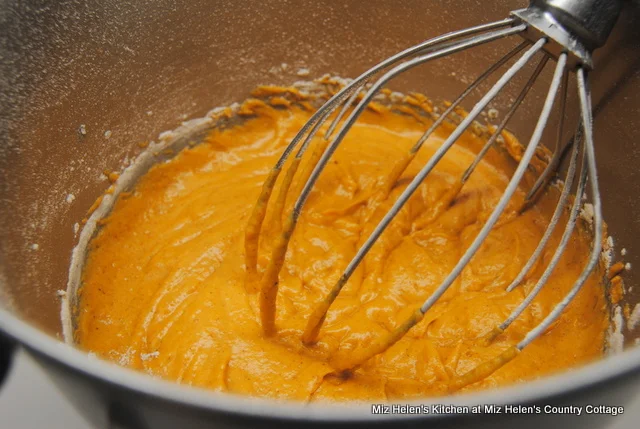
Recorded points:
(542, 24)
(575, 26)
(139, 68)
(589, 20)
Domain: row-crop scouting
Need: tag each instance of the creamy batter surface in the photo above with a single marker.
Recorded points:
(164, 290)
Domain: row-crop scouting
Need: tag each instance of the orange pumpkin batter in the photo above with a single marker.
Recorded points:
(164, 286)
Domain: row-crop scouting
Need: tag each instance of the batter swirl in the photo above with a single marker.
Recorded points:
(164, 286)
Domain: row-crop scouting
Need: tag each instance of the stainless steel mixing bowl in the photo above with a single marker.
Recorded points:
(74, 69)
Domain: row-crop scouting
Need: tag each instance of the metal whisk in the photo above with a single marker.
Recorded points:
(566, 31)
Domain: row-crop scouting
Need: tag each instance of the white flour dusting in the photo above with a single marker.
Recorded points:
(615, 337)
(149, 356)
(634, 318)
(586, 213)
(303, 72)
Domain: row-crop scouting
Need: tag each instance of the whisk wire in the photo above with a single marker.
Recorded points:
(269, 282)
(344, 364)
(465, 44)
(440, 119)
(561, 201)
(317, 317)
(489, 367)
(311, 127)
(587, 127)
(347, 96)
(343, 111)
(555, 259)
(547, 174)
(511, 187)
(505, 120)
